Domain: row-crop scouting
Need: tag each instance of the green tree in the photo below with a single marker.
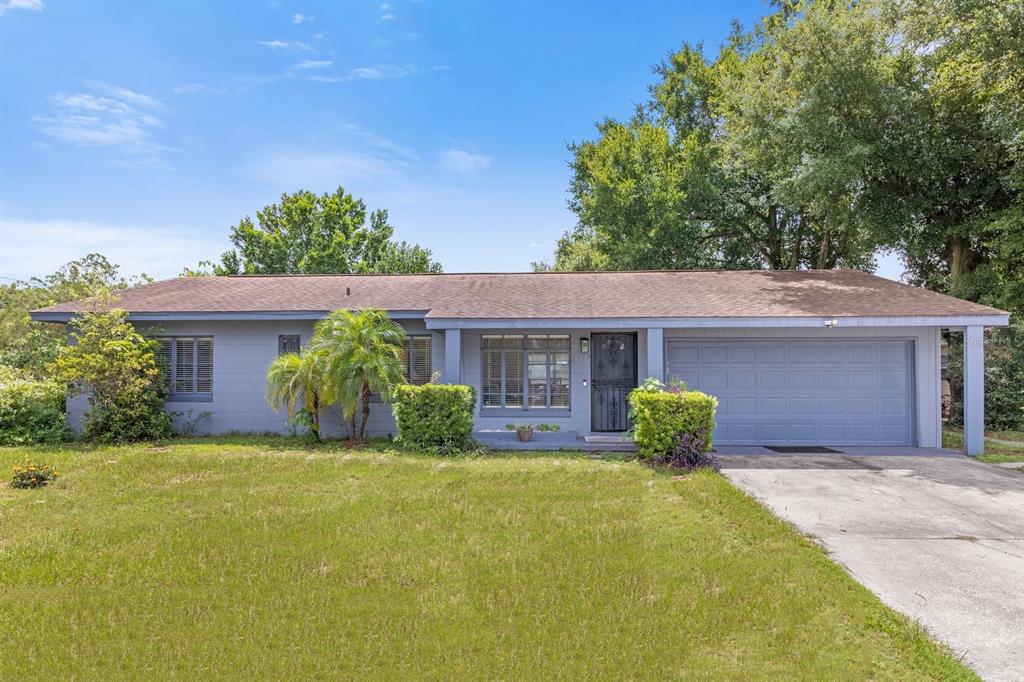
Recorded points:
(31, 345)
(115, 367)
(362, 354)
(309, 234)
(295, 379)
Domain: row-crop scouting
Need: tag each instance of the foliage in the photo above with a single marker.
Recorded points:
(825, 133)
(188, 423)
(1004, 377)
(691, 452)
(660, 418)
(31, 411)
(115, 366)
(307, 233)
(435, 417)
(297, 381)
(32, 475)
(32, 345)
(361, 355)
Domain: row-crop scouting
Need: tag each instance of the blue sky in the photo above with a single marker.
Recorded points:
(144, 131)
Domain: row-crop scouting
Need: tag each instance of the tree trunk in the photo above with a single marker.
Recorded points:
(366, 411)
(794, 258)
(959, 256)
(314, 418)
(351, 428)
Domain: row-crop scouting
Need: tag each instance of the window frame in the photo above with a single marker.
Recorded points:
(281, 340)
(407, 349)
(524, 351)
(170, 380)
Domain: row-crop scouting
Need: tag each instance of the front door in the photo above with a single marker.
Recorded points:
(612, 377)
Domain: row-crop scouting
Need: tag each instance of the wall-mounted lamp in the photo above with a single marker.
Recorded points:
(584, 383)
(584, 345)
(831, 322)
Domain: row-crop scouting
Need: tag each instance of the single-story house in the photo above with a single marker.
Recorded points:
(834, 357)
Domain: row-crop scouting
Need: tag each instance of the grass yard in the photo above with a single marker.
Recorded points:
(1000, 446)
(263, 558)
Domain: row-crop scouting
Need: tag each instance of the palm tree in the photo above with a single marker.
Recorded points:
(295, 377)
(362, 355)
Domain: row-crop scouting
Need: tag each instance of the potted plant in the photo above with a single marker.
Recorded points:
(523, 431)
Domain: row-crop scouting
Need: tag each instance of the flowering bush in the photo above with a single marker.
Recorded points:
(32, 475)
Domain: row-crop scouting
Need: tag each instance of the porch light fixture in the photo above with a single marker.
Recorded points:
(584, 345)
(831, 322)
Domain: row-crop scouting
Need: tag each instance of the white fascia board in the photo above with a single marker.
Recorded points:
(226, 316)
(714, 322)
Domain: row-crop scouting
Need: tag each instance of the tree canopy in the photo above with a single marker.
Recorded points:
(308, 233)
(825, 134)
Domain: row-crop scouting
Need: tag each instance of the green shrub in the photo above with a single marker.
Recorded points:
(30, 411)
(112, 364)
(661, 417)
(435, 417)
(32, 475)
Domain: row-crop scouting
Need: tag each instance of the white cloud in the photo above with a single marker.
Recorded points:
(125, 94)
(37, 247)
(375, 72)
(114, 119)
(385, 13)
(285, 45)
(387, 17)
(33, 5)
(462, 162)
(300, 18)
(312, 64)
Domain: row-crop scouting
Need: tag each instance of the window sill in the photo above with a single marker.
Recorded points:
(190, 398)
(534, 413)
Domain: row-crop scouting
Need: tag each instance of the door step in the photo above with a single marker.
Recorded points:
(608, 439)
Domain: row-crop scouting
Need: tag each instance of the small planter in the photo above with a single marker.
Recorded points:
(524, 433)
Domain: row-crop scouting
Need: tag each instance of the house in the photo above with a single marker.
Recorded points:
(826, 357)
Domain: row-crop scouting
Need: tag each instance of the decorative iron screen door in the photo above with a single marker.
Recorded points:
(612, 377)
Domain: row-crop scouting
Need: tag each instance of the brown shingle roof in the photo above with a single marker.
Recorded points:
(815, 293)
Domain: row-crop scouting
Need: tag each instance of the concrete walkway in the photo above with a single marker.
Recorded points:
(939, 538)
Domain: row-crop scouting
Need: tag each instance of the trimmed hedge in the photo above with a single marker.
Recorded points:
(435, 417)
(31, 411)
(659, 417)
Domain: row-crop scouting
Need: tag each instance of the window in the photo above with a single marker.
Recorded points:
(288, 343)
(525, 372)
(416, 368)
(187, 362)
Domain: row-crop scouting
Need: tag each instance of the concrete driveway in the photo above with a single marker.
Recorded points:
(938, 538)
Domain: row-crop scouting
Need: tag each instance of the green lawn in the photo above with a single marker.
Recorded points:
(261, 558)
(1012, 450)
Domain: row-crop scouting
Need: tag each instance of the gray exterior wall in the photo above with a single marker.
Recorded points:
(244, 349)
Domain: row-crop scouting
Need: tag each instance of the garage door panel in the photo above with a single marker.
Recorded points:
(852, 392)
(803, 379)
(742, 379)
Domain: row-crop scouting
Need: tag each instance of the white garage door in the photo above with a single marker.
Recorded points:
(802, 392)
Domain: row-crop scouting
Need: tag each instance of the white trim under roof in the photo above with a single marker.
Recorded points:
(717, 322)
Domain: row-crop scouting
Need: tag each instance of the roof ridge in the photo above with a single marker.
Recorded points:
(709, 271)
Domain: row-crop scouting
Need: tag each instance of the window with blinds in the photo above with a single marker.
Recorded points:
(187, 365)
(416, 368)
(525, 372)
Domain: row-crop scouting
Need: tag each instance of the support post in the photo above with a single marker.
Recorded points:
(453, 356)
(656, 353)
(974, 390)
